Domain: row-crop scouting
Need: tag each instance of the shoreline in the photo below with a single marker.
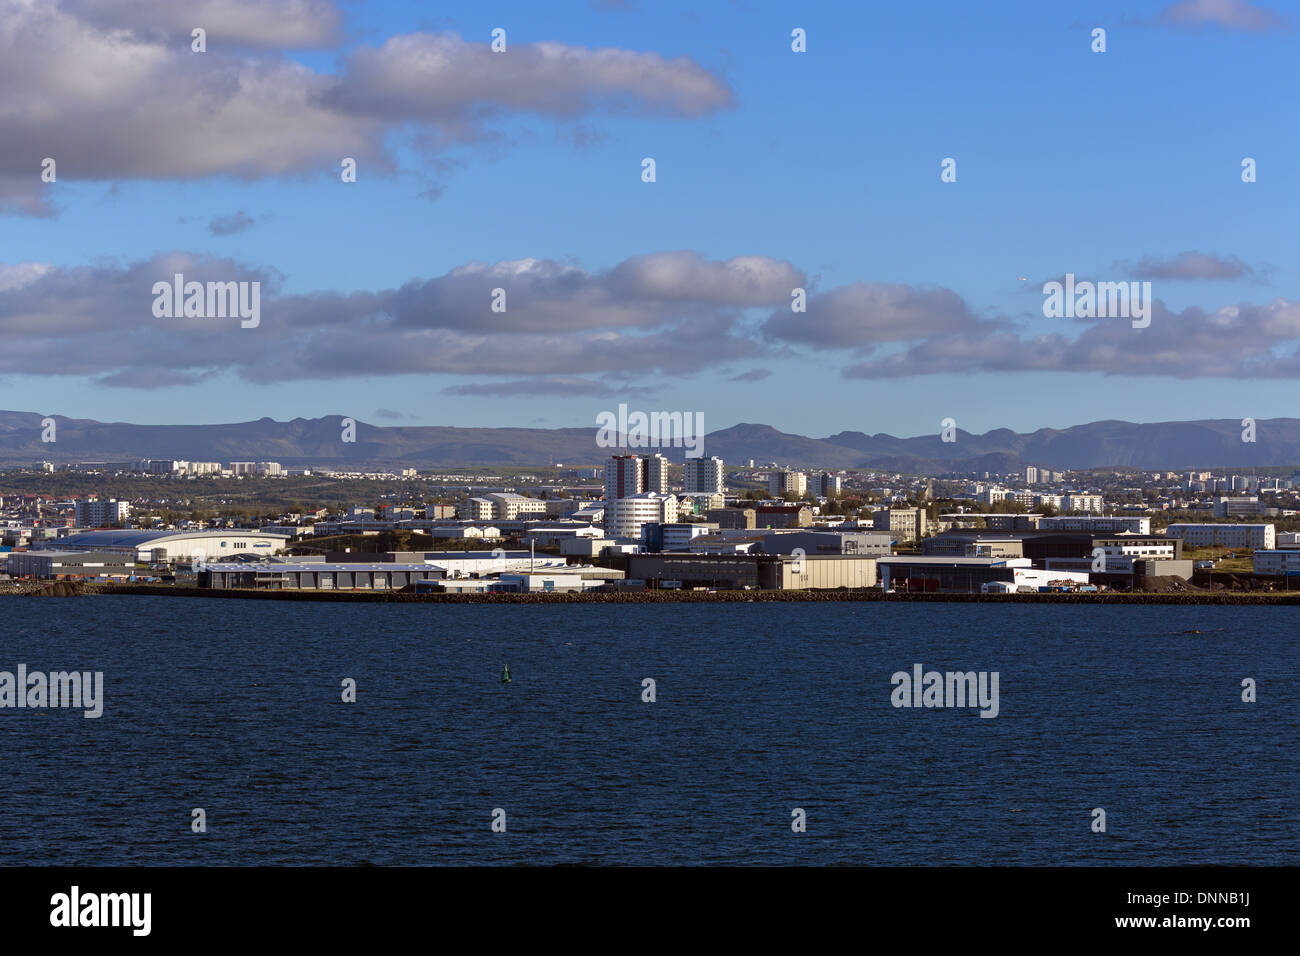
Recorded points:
(700, 597)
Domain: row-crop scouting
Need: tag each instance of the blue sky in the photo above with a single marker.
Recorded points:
(823, 166)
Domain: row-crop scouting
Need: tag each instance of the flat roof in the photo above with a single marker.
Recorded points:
(71, 554)
(929, 559)
(278, 568)
(134, 537)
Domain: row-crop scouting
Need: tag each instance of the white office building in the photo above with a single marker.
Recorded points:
(625, 516)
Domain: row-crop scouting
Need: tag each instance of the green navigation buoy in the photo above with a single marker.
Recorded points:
(505, 674)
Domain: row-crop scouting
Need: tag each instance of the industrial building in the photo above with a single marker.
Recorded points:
(353, 576)
(1277, 562)
(761, 571)
(159, 547)
(867, 544)
(571, 579)
(1041, 547)
(64, 564)
(947, 574)
(552, 536)
(972, 543)
(453, 564)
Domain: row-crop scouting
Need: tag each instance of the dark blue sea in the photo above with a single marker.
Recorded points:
(235, 707)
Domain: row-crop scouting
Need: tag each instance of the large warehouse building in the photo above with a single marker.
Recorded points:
(159, 547)
(353, 576)
(63, 564)
(764, 571)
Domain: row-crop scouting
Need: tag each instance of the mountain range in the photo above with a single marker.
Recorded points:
(319, 441)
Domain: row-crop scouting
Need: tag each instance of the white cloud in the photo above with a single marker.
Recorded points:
(1234, 14)
(110, 103)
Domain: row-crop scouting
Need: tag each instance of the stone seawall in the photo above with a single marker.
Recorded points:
(697, 597)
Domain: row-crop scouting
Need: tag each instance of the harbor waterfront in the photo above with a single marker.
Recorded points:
(234, 706)
(664, 596)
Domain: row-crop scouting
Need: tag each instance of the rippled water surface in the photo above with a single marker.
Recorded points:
(234, 706)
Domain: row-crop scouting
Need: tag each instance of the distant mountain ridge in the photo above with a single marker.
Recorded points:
(319, 441)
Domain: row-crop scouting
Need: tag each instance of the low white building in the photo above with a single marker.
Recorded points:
(507, 506)
(463, 564)
(553, 536)
(544, 581)
(1032, 579)
(1258, 536)
(475, 509)
(158, 547)
(464, 532)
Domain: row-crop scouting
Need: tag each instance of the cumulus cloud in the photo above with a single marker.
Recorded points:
(436, 77)
(1235, 341)
(258, 23)
(127, 103)
(557, 386)
(561, 323)
(686, 276)
(21, 274)
(1187, 265)
(863, 314)
(1233, 14)
(570, 331)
